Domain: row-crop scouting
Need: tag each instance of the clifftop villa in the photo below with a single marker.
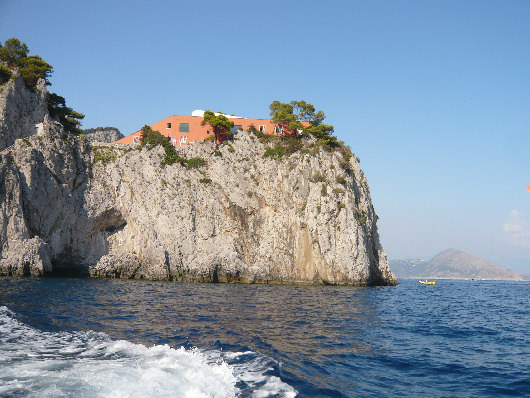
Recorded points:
(183, 130)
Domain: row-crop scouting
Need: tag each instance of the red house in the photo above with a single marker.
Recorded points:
(183, 130)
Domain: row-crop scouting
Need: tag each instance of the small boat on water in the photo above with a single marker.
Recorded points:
(427, 282)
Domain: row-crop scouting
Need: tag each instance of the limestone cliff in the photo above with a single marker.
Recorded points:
(102, 134)
(21, 110)
(114, 211)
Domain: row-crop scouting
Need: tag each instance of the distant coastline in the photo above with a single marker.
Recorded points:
(453, 264)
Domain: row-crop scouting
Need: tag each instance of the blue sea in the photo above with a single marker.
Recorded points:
(75, 337)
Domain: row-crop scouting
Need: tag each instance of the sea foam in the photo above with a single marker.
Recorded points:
(89, 364)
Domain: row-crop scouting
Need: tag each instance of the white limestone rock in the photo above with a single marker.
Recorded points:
(21, 110)
(114, 211)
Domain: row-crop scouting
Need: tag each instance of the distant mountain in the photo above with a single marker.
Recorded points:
(453, 264)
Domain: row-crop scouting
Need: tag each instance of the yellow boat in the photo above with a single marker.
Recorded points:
(427, 282)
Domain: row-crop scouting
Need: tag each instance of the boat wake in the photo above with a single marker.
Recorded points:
(89, 364)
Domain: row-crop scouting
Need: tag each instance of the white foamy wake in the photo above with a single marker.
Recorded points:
(34, 363)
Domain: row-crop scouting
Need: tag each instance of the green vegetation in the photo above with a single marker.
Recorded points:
(289, 117)
(5, 74)
(362, 220)
(288, 146)
(105, 155)
(14, 59)
(150, 139)
(252, 129)
(205, 181)
(35, 68)
(220, 125)
(195, 163)
(218, 153)
(26, 141)
(318, 177)
(70, 119)
(341, 180)
(338, 191)
(14, 54)
(93, 130)
(274, 153)
(324, 190)
(296, 120)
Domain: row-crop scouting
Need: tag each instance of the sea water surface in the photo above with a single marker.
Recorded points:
(74, 337)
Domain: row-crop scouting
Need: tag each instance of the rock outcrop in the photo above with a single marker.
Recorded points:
(21, 110)
(114, 211)
(103, 135)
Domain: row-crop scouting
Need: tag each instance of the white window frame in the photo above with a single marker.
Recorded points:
(168, 125)
(183, 139)
(136, 140)
(262, 128)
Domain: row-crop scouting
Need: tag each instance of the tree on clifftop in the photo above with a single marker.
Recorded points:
(289, 116)
(13, 52)
(70, 119)
(35, 68)
(14, 59)
(220, 125)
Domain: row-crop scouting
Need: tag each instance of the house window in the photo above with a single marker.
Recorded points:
(184, 128)
(183, 139)
(262, 129)
(136, 140)
(173, 140)
(168, 126)
(235, 129)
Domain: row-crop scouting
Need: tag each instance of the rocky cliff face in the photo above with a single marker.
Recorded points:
(21, 110)
(103, 135)
(114, 211)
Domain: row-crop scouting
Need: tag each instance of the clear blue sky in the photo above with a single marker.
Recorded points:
(433, 96)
